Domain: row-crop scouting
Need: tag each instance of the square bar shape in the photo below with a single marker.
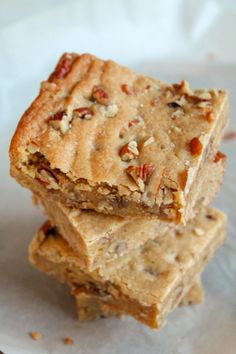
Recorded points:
(100, 136)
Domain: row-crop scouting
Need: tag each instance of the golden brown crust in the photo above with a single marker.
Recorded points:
(134, 139)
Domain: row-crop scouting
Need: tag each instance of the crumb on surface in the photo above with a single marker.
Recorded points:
(68, 341)
(36, 335)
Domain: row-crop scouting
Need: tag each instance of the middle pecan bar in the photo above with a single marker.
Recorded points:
(100, 136)
(99, 238)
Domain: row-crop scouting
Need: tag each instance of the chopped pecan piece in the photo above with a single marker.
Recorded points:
(141, 174)
(129, 151)
(178, 113)
(100, 95)
(136, 121)
(47, 178)
(149, 141)
(210, 116)
(83, 112)
(33, 147)
(219, 155)
(68, 341)
(109, 111)
(182, 88)
(36, 335)
(199, 232)
(57, 116)
(60, 121)
(126, 89)
(63, 68)
(195, 146)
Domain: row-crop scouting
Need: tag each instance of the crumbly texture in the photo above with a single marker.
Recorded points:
(99, 238)
(91, 306)
(147, 283)
(99, 136)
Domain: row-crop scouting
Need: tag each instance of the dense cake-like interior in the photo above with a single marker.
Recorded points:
(148, 282)
(92, 306)
(99, 238)
(99, 136)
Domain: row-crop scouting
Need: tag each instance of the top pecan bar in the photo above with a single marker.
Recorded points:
(99, 136)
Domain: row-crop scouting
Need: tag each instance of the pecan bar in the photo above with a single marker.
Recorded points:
(147, 283)
(92, 306)
(99, 238)
(99, 136)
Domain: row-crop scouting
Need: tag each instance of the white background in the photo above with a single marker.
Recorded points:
(193, 39)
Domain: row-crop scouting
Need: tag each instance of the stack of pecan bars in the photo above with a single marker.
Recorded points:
(125, 167)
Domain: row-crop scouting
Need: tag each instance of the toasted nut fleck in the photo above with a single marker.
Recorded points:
(104, 191)
(195, 147)
(215, 92)
(68, 341)
(204, 96)
(83, 187)
(100, 95)
(126, 89)
(203, 104)
(179, 197)
(182, 88)
(178, 113)
(219, 155)
(57, 116)
(170, 212)
(104, 205)
(83, 112)
(36, 335)
(198, 231)
(177, 129)
(167, 196)
(47, 179)
(60, 121)
(141, 174)
(33, 147)
(111, 110)
(209, 116)
(136, 121)
(149, 141)
(129, 151)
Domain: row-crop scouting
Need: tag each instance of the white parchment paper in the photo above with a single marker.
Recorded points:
(167, 39)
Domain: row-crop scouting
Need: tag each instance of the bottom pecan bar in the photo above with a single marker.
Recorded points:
(147, 283)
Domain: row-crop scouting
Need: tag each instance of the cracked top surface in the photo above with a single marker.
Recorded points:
(150, 273)
(98, 121)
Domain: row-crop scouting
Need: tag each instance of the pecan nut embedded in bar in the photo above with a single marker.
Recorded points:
(99, 126)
